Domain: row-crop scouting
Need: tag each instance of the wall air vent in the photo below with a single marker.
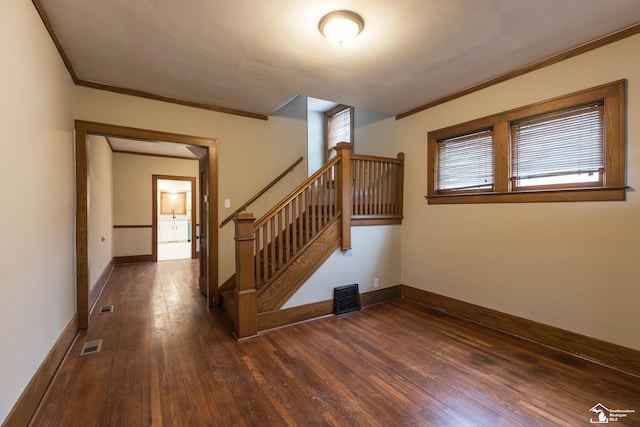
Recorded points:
(380, 295)
(346, 298)
(91, 347)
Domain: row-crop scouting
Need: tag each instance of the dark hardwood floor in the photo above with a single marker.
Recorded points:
(167, 360)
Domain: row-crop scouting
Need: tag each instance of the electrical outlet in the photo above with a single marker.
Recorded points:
(227, 203)
(376, 283)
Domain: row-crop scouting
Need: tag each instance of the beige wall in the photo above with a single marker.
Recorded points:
(375, 254)
(100, 229)
(133, 197)
(570, 265)
(37, 273)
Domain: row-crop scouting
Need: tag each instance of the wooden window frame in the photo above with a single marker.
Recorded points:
(613, 186)
(327, 115)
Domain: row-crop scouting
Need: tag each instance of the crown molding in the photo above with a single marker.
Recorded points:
(595, 44)
(131, 92)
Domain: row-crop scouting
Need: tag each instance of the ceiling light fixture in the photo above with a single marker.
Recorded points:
(341, 26)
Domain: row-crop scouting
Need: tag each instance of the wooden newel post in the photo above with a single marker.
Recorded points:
(344, 151)
(246, 324)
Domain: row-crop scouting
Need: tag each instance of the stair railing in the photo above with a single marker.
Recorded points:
(366, 188)
(377, 188)
(288, 227)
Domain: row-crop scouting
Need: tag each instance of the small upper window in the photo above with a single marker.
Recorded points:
(569, 148)
(339, 127)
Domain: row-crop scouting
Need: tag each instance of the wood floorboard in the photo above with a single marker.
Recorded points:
(166, 360)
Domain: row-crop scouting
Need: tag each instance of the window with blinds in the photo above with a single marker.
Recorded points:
(339, 127)
(559, 149)
(569, 148)
(465, 163)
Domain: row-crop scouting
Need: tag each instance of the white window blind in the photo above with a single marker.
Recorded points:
(465, 162)
(338, 129)
(558, 148)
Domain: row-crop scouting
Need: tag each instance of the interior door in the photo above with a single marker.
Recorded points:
(203, 280)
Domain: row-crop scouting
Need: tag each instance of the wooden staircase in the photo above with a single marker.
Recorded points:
(289, 279)
(277, 253)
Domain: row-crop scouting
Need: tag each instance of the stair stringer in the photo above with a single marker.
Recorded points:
(272, 296)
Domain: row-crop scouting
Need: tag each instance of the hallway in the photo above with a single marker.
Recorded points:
(167, 360)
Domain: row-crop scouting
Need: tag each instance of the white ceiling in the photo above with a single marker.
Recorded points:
(255, 55)
(158, 148)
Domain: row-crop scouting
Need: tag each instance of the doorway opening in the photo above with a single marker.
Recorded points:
(175, 209)
(207, 148)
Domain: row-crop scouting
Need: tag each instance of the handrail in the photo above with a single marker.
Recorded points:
(355, 156)
(261, 221)
(261, 192)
